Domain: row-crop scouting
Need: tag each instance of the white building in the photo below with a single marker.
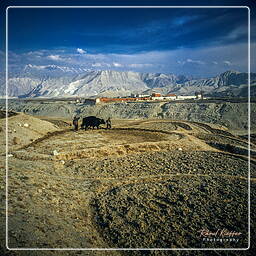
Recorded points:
(133, 95)
(186, 97)
(164, 98)
(97, 100)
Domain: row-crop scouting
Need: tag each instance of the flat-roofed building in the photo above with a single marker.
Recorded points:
(156, 94)
(186, 97)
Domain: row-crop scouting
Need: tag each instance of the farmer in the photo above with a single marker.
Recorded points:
(108, 122)
(75, 122)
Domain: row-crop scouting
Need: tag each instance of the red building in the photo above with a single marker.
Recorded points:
(154, 94)
(171, 95)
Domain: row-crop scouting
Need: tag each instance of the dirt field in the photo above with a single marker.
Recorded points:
(142, 184)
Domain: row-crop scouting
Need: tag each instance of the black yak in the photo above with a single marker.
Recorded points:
(91, 121)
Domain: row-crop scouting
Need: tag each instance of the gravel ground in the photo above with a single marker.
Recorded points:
(138, 199)
(171, 213)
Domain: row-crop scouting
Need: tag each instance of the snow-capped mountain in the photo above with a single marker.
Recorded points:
(56, 81)
(50, 71)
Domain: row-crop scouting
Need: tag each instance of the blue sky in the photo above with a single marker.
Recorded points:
(198, 42)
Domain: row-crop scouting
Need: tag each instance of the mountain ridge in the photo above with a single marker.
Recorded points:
(57, 81)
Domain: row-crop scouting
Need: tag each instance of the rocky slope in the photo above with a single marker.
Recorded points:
(54, 81)
(23, 129)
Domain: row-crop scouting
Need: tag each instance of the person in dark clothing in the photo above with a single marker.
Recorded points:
(108, 122)
(75, 122)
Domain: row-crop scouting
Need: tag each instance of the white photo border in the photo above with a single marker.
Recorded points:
(127, 249)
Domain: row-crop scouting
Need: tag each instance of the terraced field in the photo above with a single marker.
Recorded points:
(142, 184)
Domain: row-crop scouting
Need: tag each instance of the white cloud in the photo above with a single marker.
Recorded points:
(81, 51)
(38, 53)
(190, 61)
(195, 61)
(102, 65)
(54, 57)
(181, 62)
(97, 65)
(208, 61)
(139, 65)
(238, 32)
(227, 62)
(117, 65)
